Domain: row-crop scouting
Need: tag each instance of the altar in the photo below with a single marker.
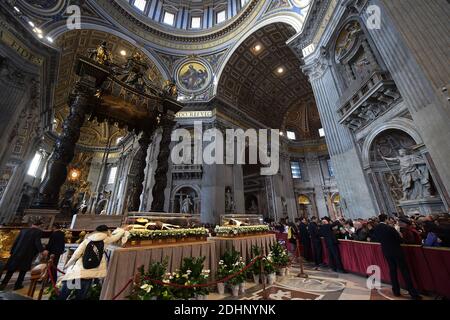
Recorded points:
(124, 262)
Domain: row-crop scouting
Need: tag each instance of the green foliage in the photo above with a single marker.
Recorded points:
(167, 234)
(92, 295)
(94, 291)
(51, 292)
(232, 263)
(268, 264)
(191, 273)
(279, 255)
(148, 290)
(256, 252)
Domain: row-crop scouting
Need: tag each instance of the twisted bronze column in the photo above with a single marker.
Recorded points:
(141, 160)
(163, 165)
(64, 151)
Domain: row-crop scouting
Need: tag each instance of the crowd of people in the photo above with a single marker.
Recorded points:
(429, 231)
(390, 232)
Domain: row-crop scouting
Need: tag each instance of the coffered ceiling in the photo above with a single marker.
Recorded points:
(263, 77)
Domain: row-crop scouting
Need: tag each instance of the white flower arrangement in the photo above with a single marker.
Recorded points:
(144, 234)
(147, 287)
(243, 230)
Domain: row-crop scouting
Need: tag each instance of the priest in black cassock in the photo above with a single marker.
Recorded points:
(24, 250)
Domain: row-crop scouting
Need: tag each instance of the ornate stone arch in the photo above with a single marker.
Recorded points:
(288, 18)
(194, 187)
(401, 124)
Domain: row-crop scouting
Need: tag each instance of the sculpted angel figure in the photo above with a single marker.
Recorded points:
(414, 174)
(102, 54)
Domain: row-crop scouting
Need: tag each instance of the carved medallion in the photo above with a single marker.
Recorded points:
(193, 76)
(347, 40)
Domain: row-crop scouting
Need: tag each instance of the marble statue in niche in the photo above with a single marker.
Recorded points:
(186, 205)
(414, 174)
(395, 187)
(229, 201)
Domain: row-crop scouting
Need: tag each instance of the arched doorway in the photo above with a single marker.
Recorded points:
(180, 195)
(304, 206)
(251, 204)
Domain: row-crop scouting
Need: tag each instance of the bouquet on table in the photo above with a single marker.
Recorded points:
(232, 231)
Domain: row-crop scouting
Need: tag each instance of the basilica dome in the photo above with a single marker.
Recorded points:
(192, 16)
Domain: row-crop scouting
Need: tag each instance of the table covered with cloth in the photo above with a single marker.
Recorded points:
(244, 245)
(124, 262)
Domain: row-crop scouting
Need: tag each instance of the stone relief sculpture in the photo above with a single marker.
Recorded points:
(347, 39)
(414, 174)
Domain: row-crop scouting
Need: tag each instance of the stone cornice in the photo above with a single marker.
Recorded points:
(311, 26)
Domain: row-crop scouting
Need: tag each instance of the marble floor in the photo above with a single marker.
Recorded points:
(322, 284)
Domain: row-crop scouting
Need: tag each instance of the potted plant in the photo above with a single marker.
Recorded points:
(222, 273)
(145, 289)
(232, 264)
(269, 270)
(256, 268)
(280, 258)
(191, 273)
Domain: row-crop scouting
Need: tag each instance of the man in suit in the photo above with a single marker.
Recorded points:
(316, 242)
(25, 248)
(56, 247)
(327, 231)
(390, 240)
(304, 238)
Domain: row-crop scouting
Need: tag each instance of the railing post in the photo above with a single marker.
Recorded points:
(263, 277)
(302, 273)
